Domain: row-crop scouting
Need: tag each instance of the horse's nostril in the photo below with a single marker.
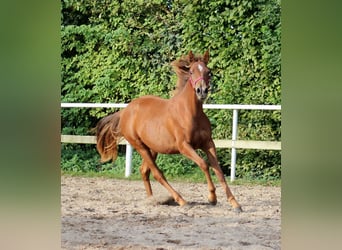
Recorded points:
(198, 90)
(206, 90)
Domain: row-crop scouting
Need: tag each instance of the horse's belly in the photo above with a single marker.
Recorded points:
(161, 144)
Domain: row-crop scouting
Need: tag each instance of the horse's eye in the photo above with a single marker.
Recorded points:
(190, 72)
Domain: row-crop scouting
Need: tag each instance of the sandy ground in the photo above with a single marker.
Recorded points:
(100, 213)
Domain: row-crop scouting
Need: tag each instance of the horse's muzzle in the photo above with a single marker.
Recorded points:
(202, 93)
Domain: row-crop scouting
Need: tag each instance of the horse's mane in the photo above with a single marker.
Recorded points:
(181, 67)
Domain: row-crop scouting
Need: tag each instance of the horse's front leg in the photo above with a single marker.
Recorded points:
(211, 153)
(187, 150)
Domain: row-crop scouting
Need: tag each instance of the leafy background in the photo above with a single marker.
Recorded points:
(114, 51)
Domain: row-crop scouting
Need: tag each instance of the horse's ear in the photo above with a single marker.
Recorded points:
(191, 56)
(206, 57)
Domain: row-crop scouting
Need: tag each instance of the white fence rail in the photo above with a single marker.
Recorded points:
(233, 143)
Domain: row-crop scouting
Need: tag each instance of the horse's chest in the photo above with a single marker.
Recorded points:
(198, 137)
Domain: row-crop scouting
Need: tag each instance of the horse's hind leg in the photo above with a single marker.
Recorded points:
(145, 174)
(149, 162)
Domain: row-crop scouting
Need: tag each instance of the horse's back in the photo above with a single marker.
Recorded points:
(146, 107)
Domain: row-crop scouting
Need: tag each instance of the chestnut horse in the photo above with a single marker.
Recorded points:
(154, 125)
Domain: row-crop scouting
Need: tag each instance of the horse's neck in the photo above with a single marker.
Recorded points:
(188, 100)
(179, 85)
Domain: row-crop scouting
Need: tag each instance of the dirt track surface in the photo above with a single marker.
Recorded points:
(100, 213)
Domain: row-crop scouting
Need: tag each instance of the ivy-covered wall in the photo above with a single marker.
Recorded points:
(114, 51)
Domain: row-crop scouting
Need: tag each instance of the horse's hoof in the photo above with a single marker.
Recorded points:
(213, 203)
(183, 204)
(238, 210)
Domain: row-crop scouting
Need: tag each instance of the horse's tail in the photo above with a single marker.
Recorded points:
(107, 136)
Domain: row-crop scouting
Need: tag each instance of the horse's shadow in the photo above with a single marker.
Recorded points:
(169, 201)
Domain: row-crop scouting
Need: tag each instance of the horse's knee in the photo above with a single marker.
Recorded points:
(143, 169)
(203, 166)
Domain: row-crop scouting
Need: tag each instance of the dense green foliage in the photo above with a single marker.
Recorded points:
(114, 51)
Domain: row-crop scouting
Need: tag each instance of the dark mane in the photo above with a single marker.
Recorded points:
(181, 67)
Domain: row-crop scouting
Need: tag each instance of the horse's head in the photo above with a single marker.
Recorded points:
(199, 75)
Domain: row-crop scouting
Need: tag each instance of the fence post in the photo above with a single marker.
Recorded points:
(234, 138)
(129, 153)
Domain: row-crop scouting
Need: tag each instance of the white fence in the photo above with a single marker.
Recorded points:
(233, 143)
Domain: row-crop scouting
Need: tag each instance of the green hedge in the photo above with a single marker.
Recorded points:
(114, 51)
